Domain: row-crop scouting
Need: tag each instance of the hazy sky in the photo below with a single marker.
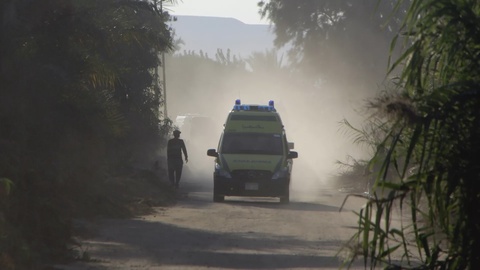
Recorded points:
(243, 10)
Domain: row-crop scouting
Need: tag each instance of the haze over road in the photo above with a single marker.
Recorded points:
(241, 233)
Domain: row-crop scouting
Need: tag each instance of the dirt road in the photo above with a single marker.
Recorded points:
(240, 233)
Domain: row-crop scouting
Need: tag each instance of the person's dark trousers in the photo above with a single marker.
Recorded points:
(175, 171)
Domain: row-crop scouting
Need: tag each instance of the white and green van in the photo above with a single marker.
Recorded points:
(254, 158)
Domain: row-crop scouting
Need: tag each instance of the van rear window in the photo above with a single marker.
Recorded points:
(252, 143)
(271, 118)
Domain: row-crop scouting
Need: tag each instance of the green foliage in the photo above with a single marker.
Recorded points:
(209, 77)
(219, 79)
(266, 63)
(428, 152)
(324, 38)
(79, 93)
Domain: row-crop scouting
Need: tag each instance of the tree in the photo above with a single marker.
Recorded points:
(326, 37)
(207, 78)
(77, 79)
(265, 62)
(428, 152)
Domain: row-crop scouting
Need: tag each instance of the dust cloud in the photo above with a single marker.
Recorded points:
(312, 112)
(311, 119)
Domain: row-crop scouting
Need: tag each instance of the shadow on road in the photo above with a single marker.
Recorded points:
(222, 239)
(294, 206)
(160, 244)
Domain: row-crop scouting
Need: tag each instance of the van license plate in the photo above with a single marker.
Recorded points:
(251, 186)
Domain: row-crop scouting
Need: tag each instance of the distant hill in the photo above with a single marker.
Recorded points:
(211, 33)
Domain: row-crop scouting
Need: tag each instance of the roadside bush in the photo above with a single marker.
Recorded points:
(78, 93)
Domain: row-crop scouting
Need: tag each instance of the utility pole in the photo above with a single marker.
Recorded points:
(164, 76)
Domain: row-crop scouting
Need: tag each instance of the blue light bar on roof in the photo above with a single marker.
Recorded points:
(262, 108)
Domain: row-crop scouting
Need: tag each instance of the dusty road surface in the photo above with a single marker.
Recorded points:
(241, 233)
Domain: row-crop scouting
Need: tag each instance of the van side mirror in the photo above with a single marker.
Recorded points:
(291, 145)
(212, 153)
(292, 154)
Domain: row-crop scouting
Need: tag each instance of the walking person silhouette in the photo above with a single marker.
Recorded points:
(175, 147)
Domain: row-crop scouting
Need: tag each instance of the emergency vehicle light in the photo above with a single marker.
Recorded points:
(263, 108)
